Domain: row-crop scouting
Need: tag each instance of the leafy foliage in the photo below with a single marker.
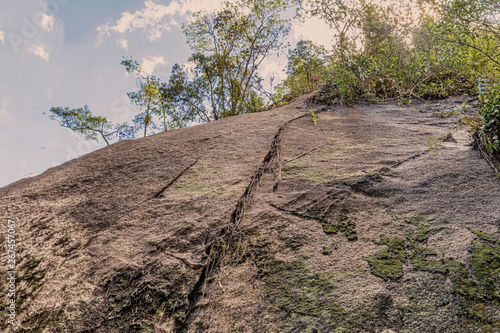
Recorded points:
(490, 112)
(341, 86)
(220, 79)
(306, 68)
(230, 45)
(91, 127)
(343, 16)
(474, 24)
(385, 52)
(147, 97)
(382, 51)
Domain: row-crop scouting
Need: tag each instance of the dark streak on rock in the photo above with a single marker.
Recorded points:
(160, 193)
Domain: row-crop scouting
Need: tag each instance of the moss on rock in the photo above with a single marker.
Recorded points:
(477, 285)
(294, 291)
(388, 264)
(421, 234)
(419, 261)
(343, 224)
(307, 301)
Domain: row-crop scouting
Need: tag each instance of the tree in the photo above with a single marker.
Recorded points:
(344, 16)
(220, 79)
(84, 123)
(230, 44)
(474, 24)
(189, 96)
(306, 68)
(166, 109)
(147, 97)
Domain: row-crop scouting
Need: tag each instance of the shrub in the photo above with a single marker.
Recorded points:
(341, 86)
(489, 130)
(305, 69)
(380, 55)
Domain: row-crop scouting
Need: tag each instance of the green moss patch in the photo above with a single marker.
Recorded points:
(348, 228)
(385, 266)
(326, 250)
(395, 245)
(294, 244)
(482, 282)
(420, 262)
(292, 287)
(418, 254)
(485, 263)
(307, 301)
(485, 236)
(463, 284)
(184, 187)
(343, 224)
(474, 292)
(388, 264)
(305, 173)
(421, 234)
(477, 284)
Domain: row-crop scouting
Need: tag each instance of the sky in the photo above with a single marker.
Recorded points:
(68, 53)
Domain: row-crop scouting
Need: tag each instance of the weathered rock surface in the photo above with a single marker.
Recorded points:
(265, 223)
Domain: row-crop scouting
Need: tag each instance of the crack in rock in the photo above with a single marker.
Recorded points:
(160, 194)
(218, 248)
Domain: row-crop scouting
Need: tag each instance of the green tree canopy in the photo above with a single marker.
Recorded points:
(474, 24)
(147, 97)
(230, 44)
(306, 68)
(91, 127)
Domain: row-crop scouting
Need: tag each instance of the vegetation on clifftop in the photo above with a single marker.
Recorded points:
(381, 51)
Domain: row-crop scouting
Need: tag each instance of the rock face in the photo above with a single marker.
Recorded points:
(377, 219)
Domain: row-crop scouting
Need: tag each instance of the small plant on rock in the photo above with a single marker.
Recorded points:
(313, 117)
(433, 144)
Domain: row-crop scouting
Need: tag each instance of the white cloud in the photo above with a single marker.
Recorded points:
(153, 19)
(191, 6)
(150, 63)
(2, 37)
(272, 72)
(39, 50)
(3, 107)
(309, 31)
(273, 68)
(123, 43)
(48, 22)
